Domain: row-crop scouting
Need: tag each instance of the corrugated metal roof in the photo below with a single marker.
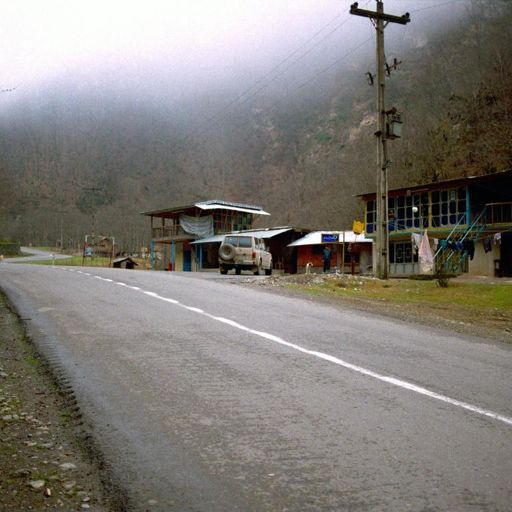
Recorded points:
(210, 205)
(260, 233)
(268, 233)
(315, 238)
(208, 240)
(448, 182)
(222, 205)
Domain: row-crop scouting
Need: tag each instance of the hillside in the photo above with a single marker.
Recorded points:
(303, 157)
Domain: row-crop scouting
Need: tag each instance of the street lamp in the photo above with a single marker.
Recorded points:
(415, 210)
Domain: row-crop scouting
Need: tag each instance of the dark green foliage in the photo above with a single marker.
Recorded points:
(9, 248)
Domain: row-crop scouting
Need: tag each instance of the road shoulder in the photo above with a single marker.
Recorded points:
(47, 461)
(484, 325)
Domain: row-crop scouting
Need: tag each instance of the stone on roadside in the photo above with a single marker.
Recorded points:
(36, 484)
(69, 484)
(67, 466)
(21, 472)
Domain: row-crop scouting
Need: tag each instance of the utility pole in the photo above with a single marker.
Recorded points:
(61, 213)
(93, 191)
(380, 20)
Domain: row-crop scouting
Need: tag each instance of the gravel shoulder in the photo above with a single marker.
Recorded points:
(47, 461)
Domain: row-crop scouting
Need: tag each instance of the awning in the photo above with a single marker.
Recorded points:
(315, 238)
(262, 233)
(209, 240)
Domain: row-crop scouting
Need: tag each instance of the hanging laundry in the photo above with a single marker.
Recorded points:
(416, 241)
(488, 244)
(426, 260)
(469, 248)
(497, 238)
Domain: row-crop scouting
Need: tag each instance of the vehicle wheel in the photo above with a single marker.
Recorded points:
(258, 270)
(227, 252)
(238, 271)
(268, 271)
(223, 270)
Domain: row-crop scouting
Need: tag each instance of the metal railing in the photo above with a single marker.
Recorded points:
(499, 213)
(447, 260)
(167, 231)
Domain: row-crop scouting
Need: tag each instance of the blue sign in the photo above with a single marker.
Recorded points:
(329, 238)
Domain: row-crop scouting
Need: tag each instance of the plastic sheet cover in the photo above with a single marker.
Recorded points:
(199, 226)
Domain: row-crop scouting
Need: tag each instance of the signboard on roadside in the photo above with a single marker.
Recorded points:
(330, 238)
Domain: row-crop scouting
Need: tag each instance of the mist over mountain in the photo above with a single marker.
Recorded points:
(264, 121)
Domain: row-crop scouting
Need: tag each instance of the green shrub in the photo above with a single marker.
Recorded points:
(9, 248)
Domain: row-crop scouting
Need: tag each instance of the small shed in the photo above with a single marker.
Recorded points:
(354, 250)
(124, 262)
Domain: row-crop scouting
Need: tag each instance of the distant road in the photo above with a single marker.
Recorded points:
(36, 255)
(207, 396)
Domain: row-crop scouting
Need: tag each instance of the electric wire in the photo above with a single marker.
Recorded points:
(239, 101)
(325, 70)
(436, 5)
(248, 96)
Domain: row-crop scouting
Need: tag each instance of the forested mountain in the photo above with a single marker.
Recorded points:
(75, 155)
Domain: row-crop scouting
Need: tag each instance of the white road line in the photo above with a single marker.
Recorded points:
(340, 362)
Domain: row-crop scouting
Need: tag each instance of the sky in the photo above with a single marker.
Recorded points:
(177, 48)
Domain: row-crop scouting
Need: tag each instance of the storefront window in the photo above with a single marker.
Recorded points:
(413, 211)
(448, 207)
(226, 221)
(370, 217)
(402, 252)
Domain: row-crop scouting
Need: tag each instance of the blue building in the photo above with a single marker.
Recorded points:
(468, 221)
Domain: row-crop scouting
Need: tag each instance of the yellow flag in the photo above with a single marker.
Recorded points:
(358, 227)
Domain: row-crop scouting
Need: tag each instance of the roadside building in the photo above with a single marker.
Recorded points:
(174, 229)
(104, 247)
(468, 222)
(355, 251)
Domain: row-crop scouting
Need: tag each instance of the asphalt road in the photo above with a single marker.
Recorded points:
(32, 254)
(208, 396)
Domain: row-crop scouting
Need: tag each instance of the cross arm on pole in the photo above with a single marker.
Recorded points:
(390, 18)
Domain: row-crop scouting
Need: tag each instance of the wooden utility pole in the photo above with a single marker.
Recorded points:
(93, 191)
(380, 21)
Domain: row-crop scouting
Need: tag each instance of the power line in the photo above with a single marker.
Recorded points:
(312, 79)
(286, 59)
(239, 101)
(437, 5)
(269, 73)
(328, 68)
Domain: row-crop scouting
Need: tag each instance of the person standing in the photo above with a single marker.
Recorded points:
(327, 258)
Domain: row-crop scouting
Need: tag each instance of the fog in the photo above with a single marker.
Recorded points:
(174, 52)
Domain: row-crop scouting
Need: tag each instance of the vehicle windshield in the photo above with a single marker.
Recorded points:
(238, 241)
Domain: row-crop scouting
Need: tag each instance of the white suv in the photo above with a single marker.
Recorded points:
(244, 252)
